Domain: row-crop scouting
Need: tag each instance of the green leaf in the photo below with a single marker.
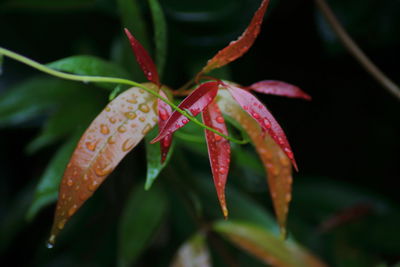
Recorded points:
(47, 190)
(48, 4)
(266, 246)
(193, 253)
(160, 34)
(31, 98)
(141, 217)
(91, 66)
(153, 157)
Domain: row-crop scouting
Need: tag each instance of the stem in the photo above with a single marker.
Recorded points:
(84, 78)
(355, 50)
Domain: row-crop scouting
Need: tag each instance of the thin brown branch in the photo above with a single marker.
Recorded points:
(355, 50)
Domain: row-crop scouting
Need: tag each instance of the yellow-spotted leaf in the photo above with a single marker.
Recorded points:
(115, 132)
(275, 161)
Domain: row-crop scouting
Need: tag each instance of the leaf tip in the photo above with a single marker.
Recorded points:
(50, 243)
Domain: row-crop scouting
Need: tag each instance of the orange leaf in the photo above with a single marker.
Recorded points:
(275, 161)
(115, 132)
(239, 47)
(219, 151)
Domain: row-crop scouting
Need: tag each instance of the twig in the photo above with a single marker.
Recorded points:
(355, 50)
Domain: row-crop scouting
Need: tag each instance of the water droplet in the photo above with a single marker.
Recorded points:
(50, 243)
(111, 140)
(128, 144)
(93, 186)
(144, 108)
(166, 141)
(141, 91)
(77, 187)
(280, 140)
(163, 114)
(184, 121)
(217, 137)
(288, 197)
(220, 119)
(133, 125)
(255, 115)
(155, 119)
(70, 182)
(91, 145)
(284, 161)
(104, 129)
(112, 120)
(267, 124)
(222, 170)
(61, 224)
(122, 129)
(132, 101)
(72, 210)
(108, 109)
(130, 115)
(289, 153)
(146, 129)
(103, 171)
(142, 119)
(63, 196)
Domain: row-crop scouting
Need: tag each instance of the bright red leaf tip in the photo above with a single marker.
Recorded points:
(219, 151)
(239, 47)
(260, 113)
(164, 112)
(278, 88)
(196, 102)
(143, 58)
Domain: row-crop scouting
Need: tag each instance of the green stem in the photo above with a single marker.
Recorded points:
(85, 79)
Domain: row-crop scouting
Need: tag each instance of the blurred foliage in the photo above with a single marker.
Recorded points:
(345, 207)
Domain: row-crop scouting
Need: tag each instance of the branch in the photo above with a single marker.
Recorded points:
(355, 50)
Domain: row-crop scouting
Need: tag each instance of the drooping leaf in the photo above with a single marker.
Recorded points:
(219, 151)
(193, 253)
(91, 66)
(33, 97)
(195, 103)
(142, 215)
(264, 118)
(160, 34)
(47, 189)
(164, 112)
(239, 47)
(279, 88)
(265, 246)
(115, 131)
(276, 163)
(143, 58)
(153, 158)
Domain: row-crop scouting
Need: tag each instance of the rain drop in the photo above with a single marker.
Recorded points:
(104, 171)
(141, 91)
(128, 144)
(219, 119)
(144, 108)
(222, 170)
(217, 137)
(146, 129)
(142, 119)
(104, 129)
(108, 109)
(163, 114)
(111, 140)
(91, 145)
(112, 120)
(61, 224)
(288, 197)
(122, 129)
(72, 210)
(184, 121)
(70, 182)
(255, 115)
(130, 115)
(93, 186)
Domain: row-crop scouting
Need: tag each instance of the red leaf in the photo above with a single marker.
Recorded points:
(276, 163)
(279, 88)
(239, 47)
(264, 118)
(196, 102)
(219, 151)
(164, 112)
(114, 132)
(144, 60)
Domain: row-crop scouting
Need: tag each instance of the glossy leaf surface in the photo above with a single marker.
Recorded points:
(164, 112)
(265, 246)
(239, 47)
(219, 151)
(193, 253)
(144, 60)
(276, 163)
(195, 103)
(142, 215)
(279, 88)
(115, 131)
(260, 113)
(160, 34)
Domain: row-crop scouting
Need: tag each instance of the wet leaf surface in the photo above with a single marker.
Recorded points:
(279, 88)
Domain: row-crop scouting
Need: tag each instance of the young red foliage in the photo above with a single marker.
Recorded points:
(219, 151)
(195, 103)
(260, 113)
(144, 59)
(239, 47)
(278, 88)
(114, 132)
(164, 112)
(276, 163)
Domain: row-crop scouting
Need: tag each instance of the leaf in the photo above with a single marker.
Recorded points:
(115, 131)
(276, 163)
(164, 112)
(219, 151)
(279, 88)
(153, 158)
(193, 253)
(33, 97)
(1, 64)
(160, 34)
(91, 66)
(195, 103)
(48, 5)
(239, 47)
(264, 118)
(265, 246)
(47, 189)
(142, 215)
(144, 60)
